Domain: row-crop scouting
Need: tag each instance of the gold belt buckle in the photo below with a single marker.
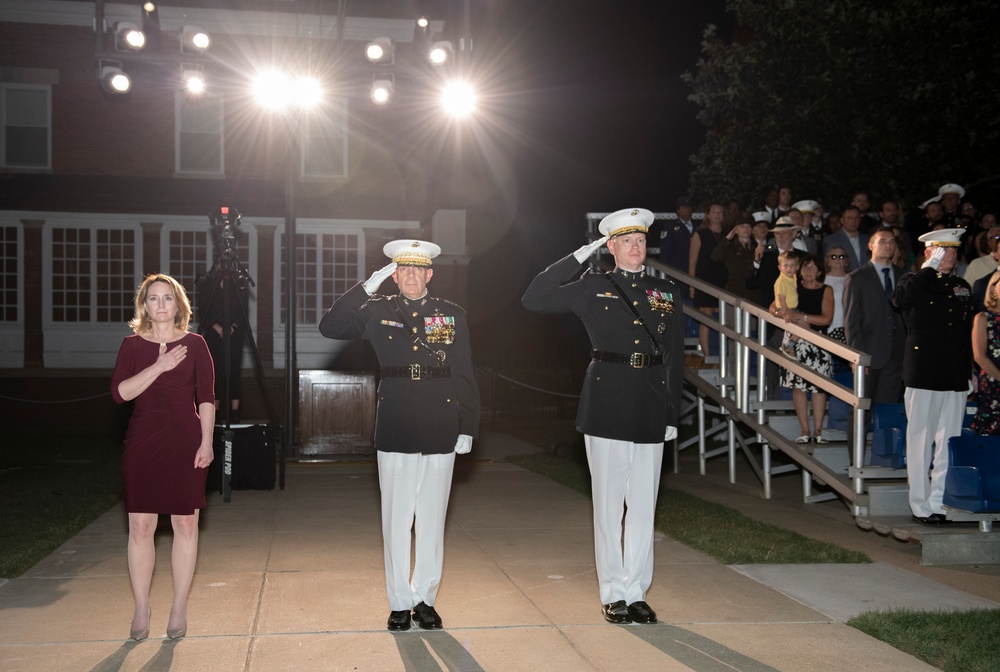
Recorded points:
(639, 360)
(414, 372)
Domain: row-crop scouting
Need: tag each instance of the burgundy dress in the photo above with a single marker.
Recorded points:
(164, 432)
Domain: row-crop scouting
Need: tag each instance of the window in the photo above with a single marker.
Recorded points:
(327, 265)
(324, 141)
(8, 273)
(199, 134)
(27, 127)
(93, 275)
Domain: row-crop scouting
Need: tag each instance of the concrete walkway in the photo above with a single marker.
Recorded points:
(293, 580)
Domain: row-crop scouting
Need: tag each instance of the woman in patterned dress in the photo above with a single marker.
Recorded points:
(986, 352)
(815, 310)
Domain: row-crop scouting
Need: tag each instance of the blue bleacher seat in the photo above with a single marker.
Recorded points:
(889, 436)
(973, 481)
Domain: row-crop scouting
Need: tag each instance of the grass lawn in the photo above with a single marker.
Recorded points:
(53, 483)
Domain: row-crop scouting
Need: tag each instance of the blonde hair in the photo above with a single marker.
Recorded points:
(847, 258)
(991, 300)
(141, 323)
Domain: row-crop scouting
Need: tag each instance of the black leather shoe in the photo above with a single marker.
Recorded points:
(426, 617)
(616, 612)
(933, 519)
(398, 621)
(640, 612)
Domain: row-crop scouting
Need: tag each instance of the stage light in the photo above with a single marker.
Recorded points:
(128, 37)
(441, 53)
(149, 7)
(379, 50)
(458, 99)
(194, 80)
(113, 78)
(277, 90)
(423, 22)
(194, 40)
(381, 92)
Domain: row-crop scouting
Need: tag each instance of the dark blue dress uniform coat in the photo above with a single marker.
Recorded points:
(413, 416)
(618, 401)
(937, 312)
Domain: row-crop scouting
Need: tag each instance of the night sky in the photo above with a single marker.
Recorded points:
(592, 116)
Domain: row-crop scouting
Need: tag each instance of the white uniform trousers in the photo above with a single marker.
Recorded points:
(415, 490)
(932, 417)
(623, 474)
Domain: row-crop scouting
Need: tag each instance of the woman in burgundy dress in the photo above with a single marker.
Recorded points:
(168, 447)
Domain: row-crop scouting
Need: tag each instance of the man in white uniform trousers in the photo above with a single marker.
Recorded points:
(428, 410)
(630, 399)
(937, 368)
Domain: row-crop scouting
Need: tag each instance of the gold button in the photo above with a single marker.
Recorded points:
(414, 330)
(637, 341)
(635, 303)
(414, 315)
(448, 400)
(605, 307)
(635, 321)
(414, 347)
(633, 284)
(390, 338)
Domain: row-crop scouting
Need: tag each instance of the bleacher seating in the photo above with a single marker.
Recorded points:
(973, 481)
(889, 436)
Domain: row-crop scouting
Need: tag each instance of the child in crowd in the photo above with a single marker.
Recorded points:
(786, 294)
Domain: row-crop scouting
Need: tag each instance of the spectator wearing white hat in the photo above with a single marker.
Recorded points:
(937, 310)
(428, 411)
(951, 196)
(630, 400)
(812, 220)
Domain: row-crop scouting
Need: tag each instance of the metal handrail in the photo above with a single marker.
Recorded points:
(744, 331)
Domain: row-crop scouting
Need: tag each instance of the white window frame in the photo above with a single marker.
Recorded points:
(8, 86)
(179, 101)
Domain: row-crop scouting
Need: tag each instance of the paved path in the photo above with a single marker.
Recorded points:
(293, 580)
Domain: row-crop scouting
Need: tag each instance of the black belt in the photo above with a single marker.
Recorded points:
(637, 360)
(416, 372)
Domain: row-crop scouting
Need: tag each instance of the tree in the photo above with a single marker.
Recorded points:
(896, 97)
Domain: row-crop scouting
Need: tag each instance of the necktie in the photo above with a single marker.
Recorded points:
(888, 283)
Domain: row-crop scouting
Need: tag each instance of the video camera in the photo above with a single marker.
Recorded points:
(224, 222)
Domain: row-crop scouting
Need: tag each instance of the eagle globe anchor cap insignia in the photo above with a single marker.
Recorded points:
(410, 252)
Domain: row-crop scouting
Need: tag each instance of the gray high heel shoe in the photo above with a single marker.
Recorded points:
(139, 635)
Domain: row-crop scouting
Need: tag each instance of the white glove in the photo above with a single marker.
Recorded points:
(671, 433)
(937, 256)
(464, 444)
(584, 252)
(371, 285)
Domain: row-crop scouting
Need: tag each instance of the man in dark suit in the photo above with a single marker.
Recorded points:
(428, 410)
(849, 237)
(937, 365)
(872, 324)
(630, 400)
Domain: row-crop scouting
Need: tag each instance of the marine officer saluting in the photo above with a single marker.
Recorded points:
(937, 366)
(428, 410)
(630, 399)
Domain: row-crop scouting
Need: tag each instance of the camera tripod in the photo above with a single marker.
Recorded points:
(227, 281)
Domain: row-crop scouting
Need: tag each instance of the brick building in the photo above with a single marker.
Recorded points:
(98, 189)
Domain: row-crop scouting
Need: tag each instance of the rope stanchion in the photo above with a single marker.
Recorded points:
(537, 389)
(55, 401)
